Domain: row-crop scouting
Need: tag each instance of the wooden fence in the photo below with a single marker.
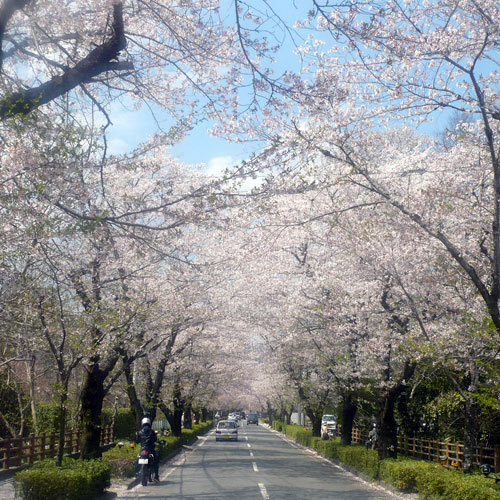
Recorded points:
(446, 453)
(31, 449)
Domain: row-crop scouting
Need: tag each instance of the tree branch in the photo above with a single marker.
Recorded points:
(7, 10)
(101, 59)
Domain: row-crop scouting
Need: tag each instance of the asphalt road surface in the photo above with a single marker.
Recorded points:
(260, 466)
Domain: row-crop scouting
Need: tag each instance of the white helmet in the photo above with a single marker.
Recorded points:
(146, 421)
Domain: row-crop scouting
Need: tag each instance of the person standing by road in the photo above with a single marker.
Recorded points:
(372, 437)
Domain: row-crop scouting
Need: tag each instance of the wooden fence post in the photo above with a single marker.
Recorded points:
(31, 449)
(74, 447)
(52, 446)
(6, 463)
(497, 458)
(78, 437)
(42, 446)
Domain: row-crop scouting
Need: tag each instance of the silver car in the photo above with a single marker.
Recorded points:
(227, 430)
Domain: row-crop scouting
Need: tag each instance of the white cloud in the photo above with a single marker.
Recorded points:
(218, 164)
(118, 146)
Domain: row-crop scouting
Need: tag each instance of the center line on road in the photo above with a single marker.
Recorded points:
(255, 467)
(249, 445)
(263, 491)
(246, 437)
(251, 453)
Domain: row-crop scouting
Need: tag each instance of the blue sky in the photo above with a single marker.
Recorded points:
(131, 127)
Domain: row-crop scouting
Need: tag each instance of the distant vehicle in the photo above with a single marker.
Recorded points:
(328, 427)
(226, 430)
(252, 418)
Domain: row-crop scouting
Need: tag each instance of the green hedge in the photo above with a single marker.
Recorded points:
(415, 476)
(361, 459)
(74, 480)
(403, 473)
(279, 426)
(432, 481)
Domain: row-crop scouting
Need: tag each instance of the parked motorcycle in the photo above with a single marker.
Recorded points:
(145, 463)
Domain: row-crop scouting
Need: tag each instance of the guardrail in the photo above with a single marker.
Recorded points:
(28, 450)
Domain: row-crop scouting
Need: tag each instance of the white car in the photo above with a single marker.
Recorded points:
(226, 430)
(328, 427)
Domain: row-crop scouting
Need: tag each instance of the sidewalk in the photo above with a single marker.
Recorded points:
(7, 489)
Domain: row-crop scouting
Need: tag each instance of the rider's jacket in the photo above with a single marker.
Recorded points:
(147, 437)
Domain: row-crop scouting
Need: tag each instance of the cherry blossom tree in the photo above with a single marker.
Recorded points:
(148, 51)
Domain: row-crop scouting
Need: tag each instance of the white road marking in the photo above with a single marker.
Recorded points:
(263, 491)
(249, 445)
(246, 437)
(255, 467)
(251, 453)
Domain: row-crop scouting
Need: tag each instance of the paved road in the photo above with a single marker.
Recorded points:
(260, 466)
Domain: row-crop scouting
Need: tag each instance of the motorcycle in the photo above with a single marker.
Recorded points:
(145, 463)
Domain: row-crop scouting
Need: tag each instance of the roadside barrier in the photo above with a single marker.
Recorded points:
(29, 450)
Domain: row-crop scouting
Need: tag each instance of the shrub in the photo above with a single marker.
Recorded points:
(299, 434)
(432, 481)
(48, 416)
(125, 424)
(436, 482)
(402, 473)
(327, 448)
(122, 460)
(361, 459)
(74, 480)
(278, 425)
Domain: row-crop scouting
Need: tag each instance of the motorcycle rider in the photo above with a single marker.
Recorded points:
(147, 437)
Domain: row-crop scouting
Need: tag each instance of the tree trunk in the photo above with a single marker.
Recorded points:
(387, 431)
(92, 400)
(168, 414)
(179, 403)
(188, 417)
(315, 419)
(176, 423)
(270, 413)
(349, 410)
(135, 404)
(469, 434)
(31, 378)
(204, 414)
(62, 426)
(470, 415)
